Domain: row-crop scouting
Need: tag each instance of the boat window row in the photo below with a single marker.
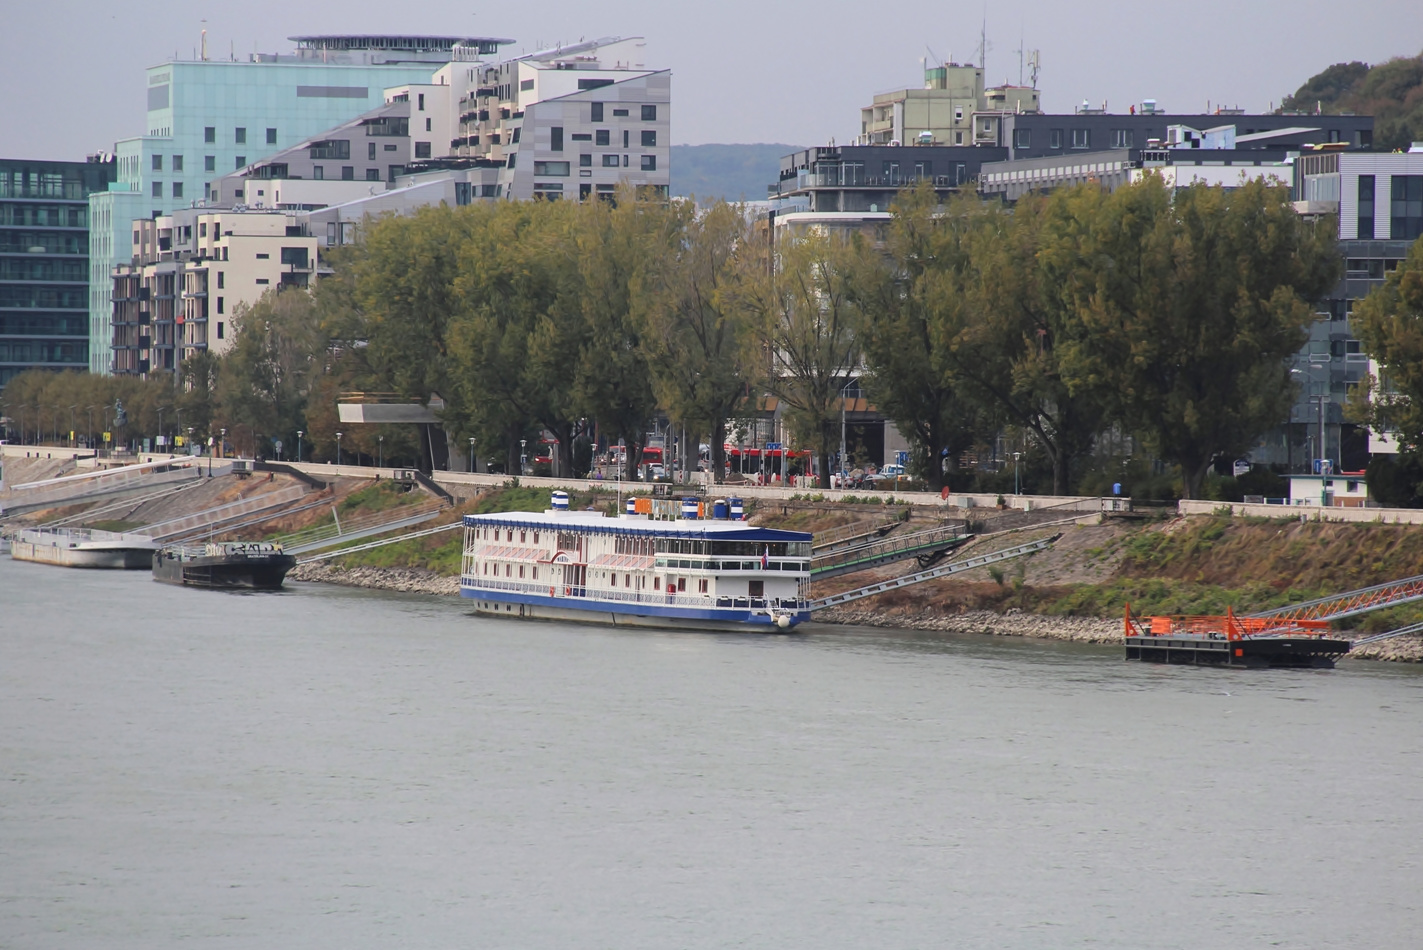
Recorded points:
(505, 534)
(627, 544)
(489, 569)
(757, 548)
(748, 565)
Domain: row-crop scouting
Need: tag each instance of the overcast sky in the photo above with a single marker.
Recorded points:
(794, 71)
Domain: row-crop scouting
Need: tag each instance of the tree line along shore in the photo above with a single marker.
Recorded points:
(1093, 334)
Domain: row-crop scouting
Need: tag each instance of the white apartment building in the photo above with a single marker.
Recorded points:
(189, 274)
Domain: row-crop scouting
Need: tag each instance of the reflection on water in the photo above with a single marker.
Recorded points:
(335, 767)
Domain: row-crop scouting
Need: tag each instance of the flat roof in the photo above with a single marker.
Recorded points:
(410, 41)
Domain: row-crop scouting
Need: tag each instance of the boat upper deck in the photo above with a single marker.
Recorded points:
(595, 522)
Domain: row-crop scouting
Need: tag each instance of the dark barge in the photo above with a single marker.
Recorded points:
(1233, 641)
(228, 565)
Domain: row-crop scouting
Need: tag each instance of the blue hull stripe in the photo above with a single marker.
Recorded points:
(726, 614)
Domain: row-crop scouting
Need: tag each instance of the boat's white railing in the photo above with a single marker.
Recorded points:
(657, 598)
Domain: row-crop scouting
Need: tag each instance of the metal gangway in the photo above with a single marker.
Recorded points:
(70, 489)
(855, 532)
(1351, 603)
(927, 546)
(423, 533)
(324, 536)
(943, 570)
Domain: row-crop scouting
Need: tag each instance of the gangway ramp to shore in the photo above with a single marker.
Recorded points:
(851, 534)
(125, 503)
(426, 532)
(341, 532)
(927, 546)
(943, 570)
(1350, 603)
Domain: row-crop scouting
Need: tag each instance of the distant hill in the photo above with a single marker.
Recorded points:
(732, 172)
(1391, 92)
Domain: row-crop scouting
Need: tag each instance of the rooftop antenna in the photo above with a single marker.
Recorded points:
(205, 41)
(1020, 54)
(1033, 64)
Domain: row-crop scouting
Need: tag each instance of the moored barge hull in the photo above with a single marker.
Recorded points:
(1276, 652)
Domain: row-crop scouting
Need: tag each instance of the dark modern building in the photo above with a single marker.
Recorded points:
(44, 262)
(867, 178)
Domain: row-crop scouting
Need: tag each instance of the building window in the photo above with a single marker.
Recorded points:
(263, 280)
(1121, 138)
(422, 149)
(219, 323)
(618, 112)
(209, 163)
(158, 189)
(241, 161)
(239, 135)
(889, 171)
(649, 138)
(390, 148)
(210, 134)
(371, 151)
(271, 136)
(525, 85)
(220, 283)
(158, 163)
(585, 190)
(627, 135)
(318, 172)
(602, 137)
(1081, 138)
(348, 173)
(649, 113)
(555, 138)
(924, 170)
(610, 161)
(427, 125)
(264, 257)
(1022, 138)
(585, 161)
(517, 129)
(1366, 207)
(177, 163)
(177, 189)
(649, 163)
(203, 229)
(421, 100)
(219, 307)
(1406, 209)
(1054, 138)
(597, 112)
(372, 174)
(958, 138)
(551, 169)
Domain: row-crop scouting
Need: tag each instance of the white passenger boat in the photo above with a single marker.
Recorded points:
(669, 567)
(82, 547)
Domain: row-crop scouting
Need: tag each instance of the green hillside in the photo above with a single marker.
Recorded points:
(1391, 92)
(732, 172)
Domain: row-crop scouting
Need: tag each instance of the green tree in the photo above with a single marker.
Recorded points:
(697, 340)
(918, 304)
(1187, 308)
(807, 320)
(1391, 92)
(277, 352)
(1389, 324)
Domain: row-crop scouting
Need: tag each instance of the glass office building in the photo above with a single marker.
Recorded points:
(44, 257)
(209, 117)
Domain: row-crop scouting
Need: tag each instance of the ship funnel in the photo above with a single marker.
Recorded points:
(632, 506)
(738, 512)
(689, 508)
(560, 501)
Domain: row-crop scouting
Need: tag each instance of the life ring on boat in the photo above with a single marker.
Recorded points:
(568, 592)
(551, 591)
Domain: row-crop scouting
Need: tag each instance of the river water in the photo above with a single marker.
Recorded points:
(327, 767)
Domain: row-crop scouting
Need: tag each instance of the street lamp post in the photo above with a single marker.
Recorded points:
(523, 457)
(71, 426)
(1017, 483)
(843, 390)
(338, 448)
(179, 428)
(161, 410)
(380, 445)
(471, 455)
(190, 442)
(91, 427)
(299, 434)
